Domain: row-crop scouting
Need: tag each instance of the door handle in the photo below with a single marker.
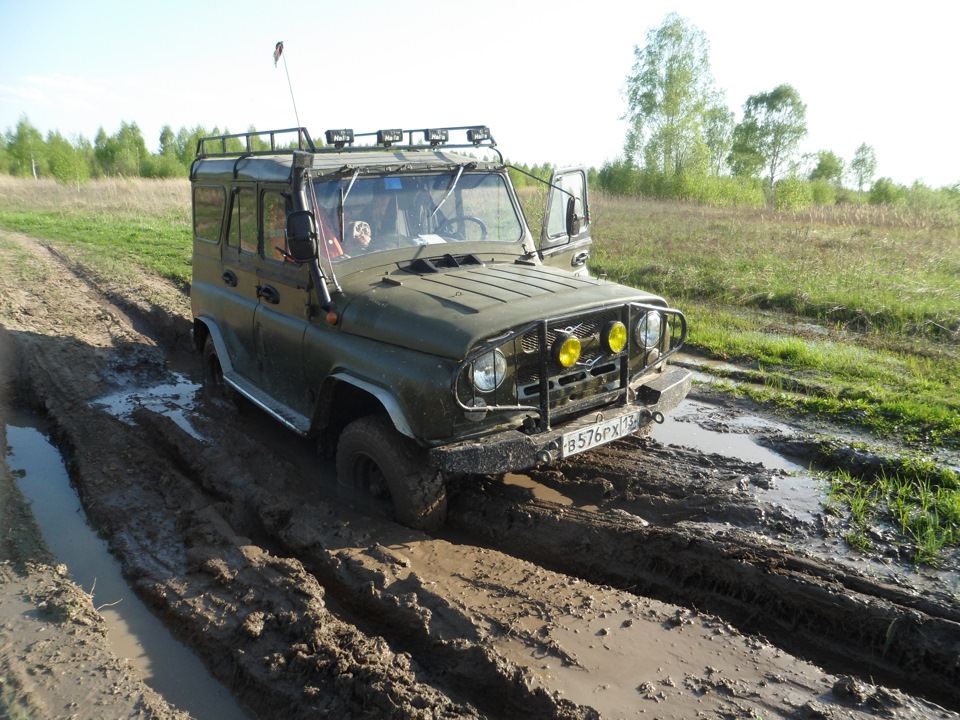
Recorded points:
(230, 278)
(580, 259)
(268, 293)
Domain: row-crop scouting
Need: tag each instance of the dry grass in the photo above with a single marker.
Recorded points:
(873, 272)
(126, 196)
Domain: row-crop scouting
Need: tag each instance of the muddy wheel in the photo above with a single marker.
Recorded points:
(373, 457)
(213, 383)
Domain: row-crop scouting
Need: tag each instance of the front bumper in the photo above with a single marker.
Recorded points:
(513, 450)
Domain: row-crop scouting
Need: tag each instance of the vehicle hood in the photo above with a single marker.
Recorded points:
(449, 313)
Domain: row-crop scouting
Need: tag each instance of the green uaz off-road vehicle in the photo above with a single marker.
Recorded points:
(384, 294)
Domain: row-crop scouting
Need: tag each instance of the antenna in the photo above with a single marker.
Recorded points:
(277, 54)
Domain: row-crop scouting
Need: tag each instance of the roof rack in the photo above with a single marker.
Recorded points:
(254, 143)
(340, 141)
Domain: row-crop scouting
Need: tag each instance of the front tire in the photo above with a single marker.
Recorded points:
(373, 457)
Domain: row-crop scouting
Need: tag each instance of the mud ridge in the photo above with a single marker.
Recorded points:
(847, 623)
(413, 619)
(260, 622)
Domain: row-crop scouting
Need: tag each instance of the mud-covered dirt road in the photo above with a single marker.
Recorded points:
(646, 579)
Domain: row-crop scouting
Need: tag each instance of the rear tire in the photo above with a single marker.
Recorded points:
(214, 385)
(373, 457)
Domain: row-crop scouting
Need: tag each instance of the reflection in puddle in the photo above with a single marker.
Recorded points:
(538, 490)
(173, 399)
(165, 664)
(710, 429)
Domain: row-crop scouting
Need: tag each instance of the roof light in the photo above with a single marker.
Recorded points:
(478, 134)
(339, 138)
(437, 136)
(389, 137)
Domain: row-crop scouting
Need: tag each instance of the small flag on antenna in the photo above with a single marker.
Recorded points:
(277, 52)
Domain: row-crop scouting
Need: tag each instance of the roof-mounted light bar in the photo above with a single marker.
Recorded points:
(436, 136)
(389, 137)
(393, 138)
(340, 138)
(478, 135)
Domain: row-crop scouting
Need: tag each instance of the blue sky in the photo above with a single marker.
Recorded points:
(547, 77)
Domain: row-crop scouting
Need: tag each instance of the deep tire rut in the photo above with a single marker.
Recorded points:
(843, 621)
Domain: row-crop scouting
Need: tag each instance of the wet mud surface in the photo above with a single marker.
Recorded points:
(653, 577)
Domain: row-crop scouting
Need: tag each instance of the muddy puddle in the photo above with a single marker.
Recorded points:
(174, 399)
(714, 430)
(165, 664)
(791, 488)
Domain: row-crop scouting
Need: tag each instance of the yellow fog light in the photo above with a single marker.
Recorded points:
(566, 350)
(615, 336)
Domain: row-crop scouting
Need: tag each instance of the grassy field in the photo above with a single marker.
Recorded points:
(850, 314)
(857, 314)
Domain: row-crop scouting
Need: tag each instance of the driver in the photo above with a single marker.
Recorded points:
(376, 225)
(358, 237)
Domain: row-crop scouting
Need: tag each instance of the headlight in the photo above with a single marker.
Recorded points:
(648, 330)
(615, 336)
(489, 370)
(566, 350)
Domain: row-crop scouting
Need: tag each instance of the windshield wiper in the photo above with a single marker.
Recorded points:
(450, 190)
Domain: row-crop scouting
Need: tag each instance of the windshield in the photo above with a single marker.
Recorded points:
(384, 213)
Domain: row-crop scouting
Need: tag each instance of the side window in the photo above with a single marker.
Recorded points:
(275, 209)
(574, 183)
(243, 221)
(209, 202)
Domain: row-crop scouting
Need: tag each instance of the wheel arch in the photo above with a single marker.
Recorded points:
(345, 397)
(204, 327)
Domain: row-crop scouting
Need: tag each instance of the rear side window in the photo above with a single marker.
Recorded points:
(209, 202)
(243, 221)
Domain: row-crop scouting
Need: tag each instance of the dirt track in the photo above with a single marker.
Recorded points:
(644, 579)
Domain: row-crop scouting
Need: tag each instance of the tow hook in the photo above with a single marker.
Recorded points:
(548, 454)
(654, 415)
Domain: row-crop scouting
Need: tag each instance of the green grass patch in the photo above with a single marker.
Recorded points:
(115, 244)
(920, 500)
(890, 388)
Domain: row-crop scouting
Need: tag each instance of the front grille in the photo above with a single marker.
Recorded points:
(595, 371)
(598, 378)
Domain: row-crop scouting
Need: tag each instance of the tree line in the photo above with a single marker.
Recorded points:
(683, 141)
(25, 152)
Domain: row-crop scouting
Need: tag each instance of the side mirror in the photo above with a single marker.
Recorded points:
(302, 236)
(574, 216)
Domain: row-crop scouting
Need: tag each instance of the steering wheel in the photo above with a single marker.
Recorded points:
(462, 219)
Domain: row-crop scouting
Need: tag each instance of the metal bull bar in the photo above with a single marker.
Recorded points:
(675, 330)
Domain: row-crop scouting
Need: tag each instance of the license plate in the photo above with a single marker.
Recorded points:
(599, 434)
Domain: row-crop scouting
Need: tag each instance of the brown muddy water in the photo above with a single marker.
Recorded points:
(166, 665)
(711, 430)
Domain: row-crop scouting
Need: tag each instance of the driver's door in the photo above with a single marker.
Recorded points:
(557, 247)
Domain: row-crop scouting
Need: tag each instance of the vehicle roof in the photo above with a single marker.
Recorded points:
(279, 167)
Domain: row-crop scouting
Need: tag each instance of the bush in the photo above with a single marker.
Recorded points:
(619, 177)
(792, 194)
(886, 192)
(823, 192)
